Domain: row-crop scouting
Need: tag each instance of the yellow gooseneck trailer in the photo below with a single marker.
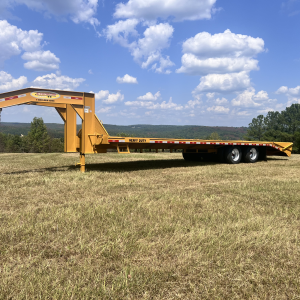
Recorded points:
(93, 138)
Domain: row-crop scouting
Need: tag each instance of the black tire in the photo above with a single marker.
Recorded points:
(233, 155)
(250, 155)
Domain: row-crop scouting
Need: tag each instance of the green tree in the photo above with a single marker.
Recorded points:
(56, 145)
(123, 134)
(256, 129)
(3, 139)
(214, 136)
(37, 140)
(278, 127)
(291, 118)
(13, 144)
(296, 146)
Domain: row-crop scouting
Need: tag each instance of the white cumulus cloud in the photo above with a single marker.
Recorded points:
(249, 98)
(226, 44)
(166, 105)
(101, 95)
(220, 53)
(156, 38)
(139, 103)
(291, 94)
(77, 10)
(105, 109)
(293, 100)
(150, 97)
(193, 103)
(147, 51)
(14, 40)
(243, 113)
(108, 98)
(121, 31)
(41, 61)
(289, 91)
(112, 98)
(282, 90)
(53, 81)
(221, 101)
(261, 96)
(223, 82)
(164, 64)
(153, 9)
(192, 65)
(154, 105)
(224, 60)
(218, 109)
(8, 83)
(127, 79)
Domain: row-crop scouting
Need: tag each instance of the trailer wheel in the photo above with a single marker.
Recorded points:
(233, 155)
(250, 155)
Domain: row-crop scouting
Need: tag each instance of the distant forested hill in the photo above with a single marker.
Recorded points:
(158, 131)
(173, 131)
(54, 130)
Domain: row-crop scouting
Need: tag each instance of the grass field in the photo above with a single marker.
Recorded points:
(148, 226)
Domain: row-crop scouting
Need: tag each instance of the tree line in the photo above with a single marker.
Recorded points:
(148, 131)
(277, 127)
(36, 141)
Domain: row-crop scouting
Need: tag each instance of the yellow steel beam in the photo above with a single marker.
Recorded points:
(14, 102)
(88, 124)
(56, 105)
(79, 110)
(62, 112)
(40, 96)
(285, 148)
(70, 129)
(99, 126)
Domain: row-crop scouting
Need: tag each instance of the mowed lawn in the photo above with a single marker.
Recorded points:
(148, 226)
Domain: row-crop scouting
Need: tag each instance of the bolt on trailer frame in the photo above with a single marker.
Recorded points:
(93, 137)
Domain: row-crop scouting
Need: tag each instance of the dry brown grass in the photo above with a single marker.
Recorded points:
(148, 226)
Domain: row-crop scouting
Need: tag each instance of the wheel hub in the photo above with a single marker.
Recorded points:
(235, 154)
(253, 154)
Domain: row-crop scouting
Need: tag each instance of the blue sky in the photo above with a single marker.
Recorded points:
(192, 62)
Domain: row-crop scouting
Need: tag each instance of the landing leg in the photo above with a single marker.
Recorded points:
(82, 162)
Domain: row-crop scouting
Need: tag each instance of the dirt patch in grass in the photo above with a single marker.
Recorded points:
(148, 226)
